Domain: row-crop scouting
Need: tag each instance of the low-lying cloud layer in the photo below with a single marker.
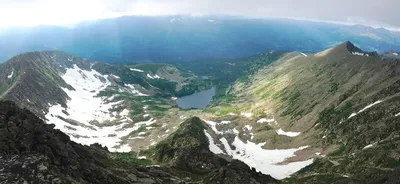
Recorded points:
(31, 12)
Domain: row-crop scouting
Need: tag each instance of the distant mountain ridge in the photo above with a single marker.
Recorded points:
(134, 39)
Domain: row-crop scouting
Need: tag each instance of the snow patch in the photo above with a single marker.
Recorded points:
(265, 161)
(123, 148)
(11, 75)
(153, 76)
(117, 77)
(134, 90)
(85, 107)
(396, 54)
(289, 134)
(225, 122)
(213, 126)
(305, 55)
(248, 127)
(136, 70)
(213, 148)
(358, 53)
(142, 157)
(365, 108)
(369, 146)
(246, 114)
(265, 120)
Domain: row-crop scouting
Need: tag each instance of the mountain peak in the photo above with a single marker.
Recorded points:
(352, 48)
(348, 48)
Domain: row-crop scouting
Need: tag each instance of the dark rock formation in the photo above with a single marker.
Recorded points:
(187, 149)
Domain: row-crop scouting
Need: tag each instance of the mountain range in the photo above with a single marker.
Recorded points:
(137, 39)
(277, 117)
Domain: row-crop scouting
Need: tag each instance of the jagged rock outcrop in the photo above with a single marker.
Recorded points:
(32, 151)
(187, 149)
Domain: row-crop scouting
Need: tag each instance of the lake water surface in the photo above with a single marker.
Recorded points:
(198, 100)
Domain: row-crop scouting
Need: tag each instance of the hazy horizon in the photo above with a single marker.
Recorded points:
(60, 12)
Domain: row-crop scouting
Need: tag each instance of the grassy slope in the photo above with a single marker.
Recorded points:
(313, 94)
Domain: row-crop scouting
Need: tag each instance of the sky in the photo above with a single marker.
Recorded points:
(376, 13)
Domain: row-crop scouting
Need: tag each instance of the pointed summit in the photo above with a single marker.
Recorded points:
(352, 48)
(347, 48)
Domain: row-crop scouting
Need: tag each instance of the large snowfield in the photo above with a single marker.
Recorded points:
(263, 160)
(85, 107)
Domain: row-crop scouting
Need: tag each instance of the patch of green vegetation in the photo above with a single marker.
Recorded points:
(237, 70)
(391, 162)
(333, 87)
(150, 67)
(136, 108)
(348, 93)
(190, 134)
(223, 110)
(3, 88)
(194, 86)
(168, 87)
(293, 98)
(330, 116)
(339, 151)
(124, 160)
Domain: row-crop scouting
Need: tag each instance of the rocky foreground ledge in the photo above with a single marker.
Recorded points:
(34, 152)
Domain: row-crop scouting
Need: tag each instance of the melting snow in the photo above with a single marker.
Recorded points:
(136, 70)
(142, 157)
(153, 76)
(265, 161)
(265, 120)
(213, 148)
(84, 107)
(135, 91)
(248, 127)
(123, 148)
(358, 53)
(369, 146)
(225, 122)
(289, 134)
(246, 114)
(395, 54)
(398, 114)
(11, 75)
(117, 77)
(365, 108)
(213, 126)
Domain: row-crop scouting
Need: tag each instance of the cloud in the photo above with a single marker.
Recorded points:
(370, 12)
